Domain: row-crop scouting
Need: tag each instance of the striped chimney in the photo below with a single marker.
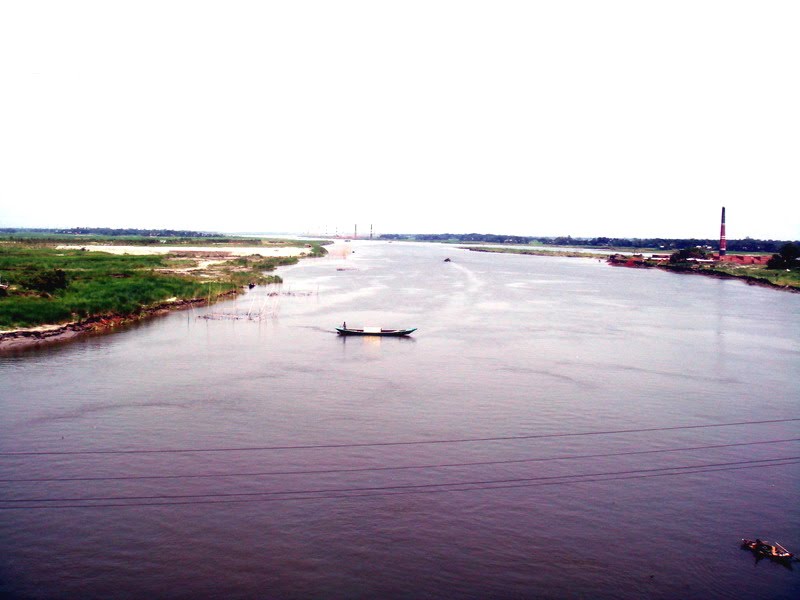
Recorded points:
(723, 243)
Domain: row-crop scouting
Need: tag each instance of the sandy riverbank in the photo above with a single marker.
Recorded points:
(222, 249)
(21, 339)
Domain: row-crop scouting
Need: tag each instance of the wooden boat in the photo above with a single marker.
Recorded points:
(765, 549)
(374, 331)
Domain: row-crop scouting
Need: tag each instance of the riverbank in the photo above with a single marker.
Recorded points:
(533, 252)
(750, 274)
(33, 337)
(227, 250)
(55, 293)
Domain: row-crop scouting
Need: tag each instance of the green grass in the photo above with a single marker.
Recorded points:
(97, 283)
(758, 274)
(86, 298)
(49, 239)
(534, 252)
(100, 283)
(777, 277)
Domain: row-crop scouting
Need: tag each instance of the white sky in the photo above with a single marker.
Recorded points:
(583, 118)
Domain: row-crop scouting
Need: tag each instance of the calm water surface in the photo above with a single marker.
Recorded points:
(286, 462)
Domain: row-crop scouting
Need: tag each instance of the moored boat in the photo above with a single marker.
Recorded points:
(764, 549)
(344, 330)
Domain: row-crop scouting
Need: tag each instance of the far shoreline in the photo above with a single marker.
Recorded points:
(747, 278)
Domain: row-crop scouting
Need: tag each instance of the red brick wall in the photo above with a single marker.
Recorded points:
(743, 259)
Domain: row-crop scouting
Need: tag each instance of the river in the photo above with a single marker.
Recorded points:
(556, 428)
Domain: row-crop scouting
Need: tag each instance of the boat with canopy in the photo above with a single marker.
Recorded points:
(344, 330)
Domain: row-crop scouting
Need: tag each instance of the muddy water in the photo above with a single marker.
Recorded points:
(555, 428)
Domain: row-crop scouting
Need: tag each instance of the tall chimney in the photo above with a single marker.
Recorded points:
(723, 243)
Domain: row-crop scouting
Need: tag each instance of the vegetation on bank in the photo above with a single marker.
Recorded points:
(46, 286)
(748, 245)
(534, 252)
(49, 237)
(42, 285)
(108, 232)
(751, 273)
(782, 270)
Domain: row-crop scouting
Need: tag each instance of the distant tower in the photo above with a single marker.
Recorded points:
(723, 243)
(370, 232)
(355, 233)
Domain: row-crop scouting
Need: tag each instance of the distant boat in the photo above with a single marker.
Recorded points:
(374, 331)
(761, 548)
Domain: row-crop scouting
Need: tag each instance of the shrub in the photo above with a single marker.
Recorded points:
(42, 280)
(787, 258)
(688, 253)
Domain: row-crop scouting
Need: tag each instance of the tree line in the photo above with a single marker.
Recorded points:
(667, 244)
(109, 231)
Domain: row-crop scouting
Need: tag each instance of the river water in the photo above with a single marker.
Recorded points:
(556, 428)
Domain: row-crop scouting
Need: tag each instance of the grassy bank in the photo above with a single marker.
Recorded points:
(535, 252)
(779, 278)
(49, 239)
(42, 285)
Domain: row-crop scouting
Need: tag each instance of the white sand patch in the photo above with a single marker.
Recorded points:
(230, 250)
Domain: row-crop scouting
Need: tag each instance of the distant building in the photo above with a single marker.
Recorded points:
(744, 259)
(738, 259)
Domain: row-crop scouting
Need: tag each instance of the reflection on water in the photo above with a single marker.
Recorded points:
(554, 428)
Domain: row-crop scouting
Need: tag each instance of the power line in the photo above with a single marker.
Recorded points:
(697, 470)
(412, 486)
(384, 444)
(395, 468)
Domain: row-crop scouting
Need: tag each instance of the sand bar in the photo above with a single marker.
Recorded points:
(231, 250)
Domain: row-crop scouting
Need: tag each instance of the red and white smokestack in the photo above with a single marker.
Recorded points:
(723, 243)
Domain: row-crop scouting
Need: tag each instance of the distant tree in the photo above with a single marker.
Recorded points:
(687, 254)
(787, 258)
(744, 245)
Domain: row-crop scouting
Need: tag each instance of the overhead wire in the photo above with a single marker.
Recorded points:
(353, 492)
(395, 468)
(393, 490)
(394, 443)
(407, 486)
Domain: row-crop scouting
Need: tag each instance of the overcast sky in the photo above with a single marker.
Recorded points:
(582, 118)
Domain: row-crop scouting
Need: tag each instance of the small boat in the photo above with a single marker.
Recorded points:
(374, 331)
(765, 549)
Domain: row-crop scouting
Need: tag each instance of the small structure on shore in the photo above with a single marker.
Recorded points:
(743, 259)
(738, 259)
(628, 260)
